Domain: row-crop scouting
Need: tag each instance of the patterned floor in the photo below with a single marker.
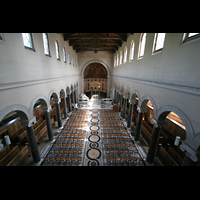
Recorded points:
(95, 137)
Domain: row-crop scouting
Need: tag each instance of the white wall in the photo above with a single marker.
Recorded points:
(24, 74)
(170, 77)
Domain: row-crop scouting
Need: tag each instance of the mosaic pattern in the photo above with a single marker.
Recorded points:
(68, 149)
(94, 146)
(88, 140)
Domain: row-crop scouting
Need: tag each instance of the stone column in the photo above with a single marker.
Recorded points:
(120, 102)
(115, 96)
(130, 115)
(154, 139)
(64, 107)
(191, 154)
(99, 93)
(58, 113)
(48, 122)
(108, 86)
(31, 138)
(69, 102)
(91, 91)
(139, 122)
(124, 110)
(75, 96)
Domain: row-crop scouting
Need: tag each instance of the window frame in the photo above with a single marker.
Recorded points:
(117, 59)
(154, 44)
(32, 43)
(2, 37)
(132, 49)
(140, 45)
(47, 45)
(57, 50)
(69, 57)
(125, 54)
(64, 55)
(121, 58)
(186, 37)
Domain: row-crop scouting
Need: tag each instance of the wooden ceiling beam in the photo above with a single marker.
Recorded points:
(93, 49)
(123, 38)
(97, 46)
(73, 42)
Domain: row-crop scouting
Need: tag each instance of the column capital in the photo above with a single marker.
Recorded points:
(190, 152)
(28, 122)
(139, 109)
(46, 108)
(157, 124)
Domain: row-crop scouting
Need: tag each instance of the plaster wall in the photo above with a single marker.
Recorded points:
(169, 77)
(24, 73)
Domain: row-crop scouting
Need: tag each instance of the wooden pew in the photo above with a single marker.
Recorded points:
(145, 133)
(175, 155)
(4, 151)
(39, 136)
(167, 157)
(10, 155)
(20, 156)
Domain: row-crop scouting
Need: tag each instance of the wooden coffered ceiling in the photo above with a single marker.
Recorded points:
(95, 41)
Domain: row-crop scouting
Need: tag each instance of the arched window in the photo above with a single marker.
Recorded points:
(142, 45)
(125, 54)
(159, 40)
(121, 56)
(69, 58)
(64, 55)
(73, 59)
(28, 40)
(46, 44)
(57, 50)
(132, 50)
(117, 59)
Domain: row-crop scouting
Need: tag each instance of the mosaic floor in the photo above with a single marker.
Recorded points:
(93, 137)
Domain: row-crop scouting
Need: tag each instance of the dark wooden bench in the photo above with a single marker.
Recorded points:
(42, 133)
(18, 159)
(15, 156)
(167, 157)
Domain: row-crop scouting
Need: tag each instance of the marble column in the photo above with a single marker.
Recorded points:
(115, 96)
(31, 139)
(46, 111)
(191, 154)
(69, 102)
(139, 122)
(99, 93)
(91, 92)
(64, 106)
(154, 139)
(120, 102)
(124, 109)
(58, 114)
(130, 115)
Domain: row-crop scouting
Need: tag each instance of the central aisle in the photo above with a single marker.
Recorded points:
(95, 137)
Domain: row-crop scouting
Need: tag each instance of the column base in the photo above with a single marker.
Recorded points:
(38, 163)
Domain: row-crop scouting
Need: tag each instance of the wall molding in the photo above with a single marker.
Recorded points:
(7, 86)
(169, 86)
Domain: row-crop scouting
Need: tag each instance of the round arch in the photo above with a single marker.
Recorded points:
(133, 96)
(21, 110)
(143, 102)
(62, 91)
(43, 99)
(95, 61)
(55, 94)
(165, 110)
